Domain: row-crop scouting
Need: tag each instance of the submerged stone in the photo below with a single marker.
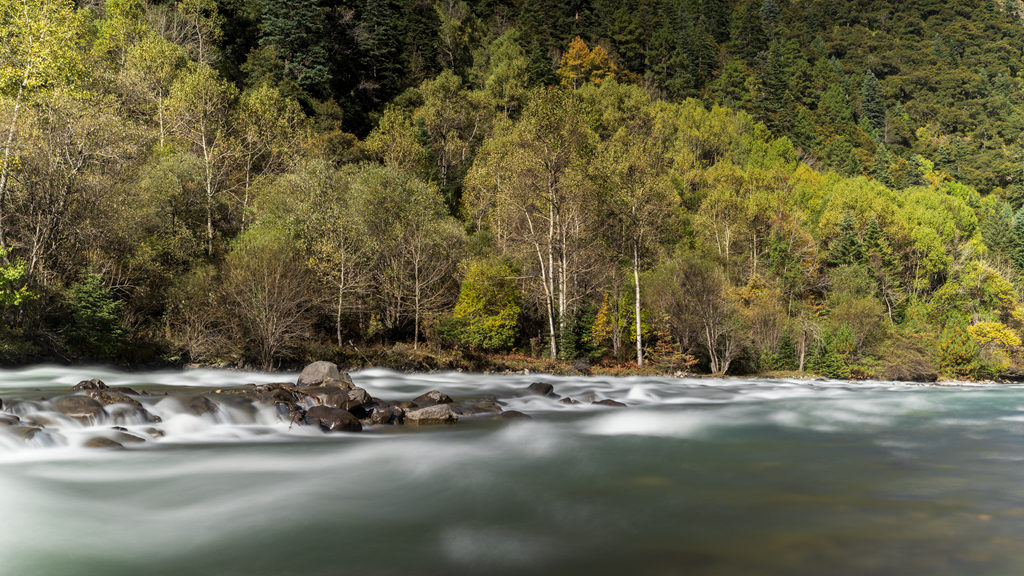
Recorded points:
(101, 442)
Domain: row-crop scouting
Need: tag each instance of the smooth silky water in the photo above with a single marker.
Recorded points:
(716, 477)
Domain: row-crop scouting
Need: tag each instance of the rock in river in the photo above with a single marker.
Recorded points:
(318, 373)
(609, 402)
(541, 389)
(431, 398)
(386, 414)
(333, 419)
(93, 384)
(200, 405)
(439, 414)
(101, 442)
(79, 407)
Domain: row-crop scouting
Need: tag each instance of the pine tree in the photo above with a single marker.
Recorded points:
(1017, 252)
(853, 165)
(958, 350)
(873, 106)
(880, 166)
(770, 14)
(296, 29)
(847, 248)
(748, 31)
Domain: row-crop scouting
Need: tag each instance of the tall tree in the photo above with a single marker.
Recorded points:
(38, 53)
(530, 183)
(199, 107)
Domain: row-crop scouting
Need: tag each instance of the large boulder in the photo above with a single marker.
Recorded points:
(318, 373)
(432, 398)
(438, 414)
(79, 407)
(333, 419)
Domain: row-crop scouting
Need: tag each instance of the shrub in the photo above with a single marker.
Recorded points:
(486, 315)
(96, 330)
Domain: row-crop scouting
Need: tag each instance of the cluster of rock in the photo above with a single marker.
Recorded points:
(323, 396)
(338, 404)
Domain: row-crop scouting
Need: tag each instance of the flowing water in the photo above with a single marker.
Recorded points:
(699, 477)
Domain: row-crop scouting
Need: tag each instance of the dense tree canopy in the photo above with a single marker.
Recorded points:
(749, 185)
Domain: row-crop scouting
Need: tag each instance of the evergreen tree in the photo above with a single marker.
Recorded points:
(847, 247)
(748, 31)
(1018, 239)
(873, 105)
(880, 165)
(296, 29)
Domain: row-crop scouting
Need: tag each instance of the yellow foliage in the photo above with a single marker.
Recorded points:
(994, 333)
(580, 65)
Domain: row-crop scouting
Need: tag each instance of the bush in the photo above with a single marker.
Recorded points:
(486, 316)
(96, 330)
(959, 354)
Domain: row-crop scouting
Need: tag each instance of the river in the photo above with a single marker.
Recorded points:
(694, 476)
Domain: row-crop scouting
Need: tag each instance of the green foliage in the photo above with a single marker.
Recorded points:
(486, 315)
(959, 355)
(832, 358)
(96, 329)
(13, 287)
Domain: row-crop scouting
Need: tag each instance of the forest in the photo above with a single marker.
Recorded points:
(833, 187)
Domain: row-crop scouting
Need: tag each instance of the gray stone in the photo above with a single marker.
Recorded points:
(609, 402)
(431, 398)
(438, 414)
(318, 373)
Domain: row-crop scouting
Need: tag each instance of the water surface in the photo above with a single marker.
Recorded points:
(703, 477)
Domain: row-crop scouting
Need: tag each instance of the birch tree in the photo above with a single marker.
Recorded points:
(532, 183)
(415, 244)
(198, 108)
(38, 54)
(642, 200)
